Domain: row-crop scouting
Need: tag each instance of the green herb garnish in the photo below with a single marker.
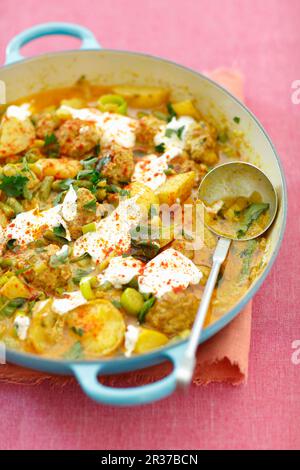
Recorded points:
(77, 331)
(145, 309)
(51, 146)
(60, 231)
(237, 119)
(171, 112)
(249, 215)
(160, 148)
(13, 186)
(178, 132)
(60, 257)
(91, 205)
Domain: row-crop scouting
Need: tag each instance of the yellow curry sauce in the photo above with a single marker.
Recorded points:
(84, 173)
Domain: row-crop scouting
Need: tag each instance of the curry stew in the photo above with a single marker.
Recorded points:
(84, 173)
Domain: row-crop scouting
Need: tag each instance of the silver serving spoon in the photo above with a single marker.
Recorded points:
(228, 180)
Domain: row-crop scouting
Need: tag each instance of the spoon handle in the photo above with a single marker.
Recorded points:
(186, 369)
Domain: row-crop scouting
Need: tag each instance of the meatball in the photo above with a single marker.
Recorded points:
(201, 143)
(85, 214)
(46, 124)
(183, 164)
(77, 137)
(37, 271)
(148, 127)
(173, 313)
(120, 165)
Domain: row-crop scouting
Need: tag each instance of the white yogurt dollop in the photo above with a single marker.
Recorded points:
(169, 271)
(22, 323)
(121, 271)
(21, 112)
(112, 127)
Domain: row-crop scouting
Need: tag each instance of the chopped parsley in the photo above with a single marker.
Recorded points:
(60, 257)
(237, 119)
(13, 186)
(178, 132)
(51, 146)
(160, 148)
(91, 205)
(171, 112)
(59, 231)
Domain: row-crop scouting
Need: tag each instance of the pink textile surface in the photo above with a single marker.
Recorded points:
(261, 39)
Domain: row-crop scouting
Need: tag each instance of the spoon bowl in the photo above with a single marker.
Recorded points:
(238, 179)
(227, 181)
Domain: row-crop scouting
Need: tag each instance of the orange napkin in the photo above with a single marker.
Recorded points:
(223, 358)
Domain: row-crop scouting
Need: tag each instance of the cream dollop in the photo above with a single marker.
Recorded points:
(121, 271)
(169, 271)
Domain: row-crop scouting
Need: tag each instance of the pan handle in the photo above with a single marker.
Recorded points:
(47, 29)
(87, 376)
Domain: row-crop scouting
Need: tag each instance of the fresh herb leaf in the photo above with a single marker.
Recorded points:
(113, 188)
(246, 255)
(11, 244)
(75, 352)
(60, 257)
(251, 214)
(89, 162)
(91, 175)
(50, 139)
(144, 250)
(51, 146)
(223, 137)
(60, 231)
(13, 186)
(178, 132)
(65, 184)
(116, 303)
(80, 273)
(160, 148)
(171, 112)
(102, 162)
(77, 331)
(145, 309)
(237, 119)
(91, 205)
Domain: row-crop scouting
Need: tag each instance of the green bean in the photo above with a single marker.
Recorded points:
(45, 188)
(8, 211)
(15, 205)
(83, 184)
(56, 186)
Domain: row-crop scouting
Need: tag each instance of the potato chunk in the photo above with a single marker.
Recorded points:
(14, 288)
(46, 327)
(142, 96)
(176, 187)
(15, 136)
(60, 168)
(146, 197)
(149, 340)
(186, 108)
(102, 325)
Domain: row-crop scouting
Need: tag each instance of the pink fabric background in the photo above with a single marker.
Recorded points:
(262, 39)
